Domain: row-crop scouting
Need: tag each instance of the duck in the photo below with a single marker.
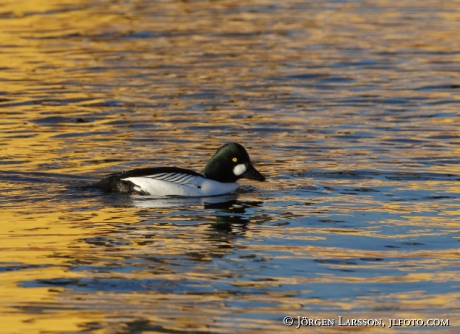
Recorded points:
(230, 163)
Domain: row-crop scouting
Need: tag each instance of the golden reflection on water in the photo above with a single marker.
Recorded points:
(350, 108)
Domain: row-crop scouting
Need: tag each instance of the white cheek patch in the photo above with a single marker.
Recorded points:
(239, 169)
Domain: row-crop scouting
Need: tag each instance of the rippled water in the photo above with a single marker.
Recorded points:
(351, 109)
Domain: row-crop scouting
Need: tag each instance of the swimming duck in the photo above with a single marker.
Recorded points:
(230, 163)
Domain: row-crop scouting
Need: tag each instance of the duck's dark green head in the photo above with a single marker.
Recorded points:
(230, 163)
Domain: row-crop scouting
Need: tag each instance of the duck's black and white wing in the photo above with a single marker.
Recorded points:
(161, 181)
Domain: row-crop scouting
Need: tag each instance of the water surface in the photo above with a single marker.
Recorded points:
(349, 108)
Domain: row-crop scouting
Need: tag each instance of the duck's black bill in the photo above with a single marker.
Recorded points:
(253, 174)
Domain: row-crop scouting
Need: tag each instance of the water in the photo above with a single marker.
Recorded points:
(349, 108)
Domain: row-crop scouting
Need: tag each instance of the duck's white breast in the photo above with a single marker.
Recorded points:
(212, 188)
(196, 186)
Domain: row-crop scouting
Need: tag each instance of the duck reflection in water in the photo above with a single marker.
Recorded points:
(228, 214)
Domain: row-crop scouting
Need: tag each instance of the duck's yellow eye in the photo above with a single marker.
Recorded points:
(234, 159)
